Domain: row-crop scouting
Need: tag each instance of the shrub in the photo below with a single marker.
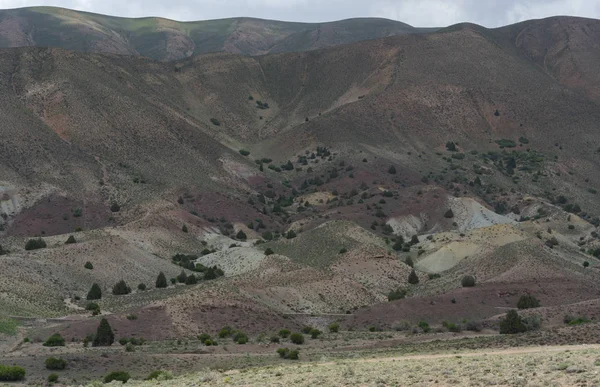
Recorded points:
(115, 207)
(184, 228)
(70, 240)
(452, 327)
(225, 332)
(141, 286)
(413, 278)
(396, 294)
(95, 292)
(161, 280)
(88, 265)
(290, 234)
(286, 353)
(449, 214)
(191, 280)
(52, 378)
(343, 250)
(241, 235)
(269, 251)
(528, 301)
(474, 326)
(552, 242)
(215, 122)
(104, 335)
(244, 152)
(392, 170)
(451, 146)
(123, 341)
(297, 338)
(586, 263)
(203, 337)
(11, 373)
(505, 143)
(53, 363)
(240, 337)
(575, 321)
(120, 376)
(160, 375)
(314, 333)
(512, 323)
(34, 244)
(424, 326)
(94, 307)
(121, 288)
(284, 333)
(334, 327)
(56, 340)
(306, 329)
(468, 281)
(274, 339)
(532, 322)
(132, 317)
(401, 326)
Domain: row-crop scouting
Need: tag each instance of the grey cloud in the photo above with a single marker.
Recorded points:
(490, 13)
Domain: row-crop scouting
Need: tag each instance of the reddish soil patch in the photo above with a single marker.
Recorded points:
(55, 215)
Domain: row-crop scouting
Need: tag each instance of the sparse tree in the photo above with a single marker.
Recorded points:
(104, 335)
(95, 292)
(161, 280)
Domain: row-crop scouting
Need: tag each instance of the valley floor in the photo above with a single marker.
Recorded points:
(528, 366)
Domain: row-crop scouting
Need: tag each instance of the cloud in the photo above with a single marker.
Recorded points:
(490, 13)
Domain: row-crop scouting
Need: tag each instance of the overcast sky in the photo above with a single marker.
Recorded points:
(419, 13)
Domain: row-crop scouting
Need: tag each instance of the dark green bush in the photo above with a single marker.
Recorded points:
(512, 323)
(161, 280)
(184, 228)
(392, 170)
(334, 327)
(286, 353)
(215, 122)
(413, 278)
(191, 280)
(297, 338)
(527, 301)
(284, 333)
(314, 333)
(120, 376)
(52, 378)
(468, 281)
(141, 287)
(449, 214)
(225, 332)
(95, 292)
(121, 288)
(53, 363)
(244, 152)
(88, 265)
(290, 234)
(56, 340)
(397, 294)
(11, 373)
(451, 146)
(269, 251)
(343, 250)
(70, 240)
(34, 244)
(115, 207)
(241, 235)
(424, 326)
(240, 337)
(505, 143)
(306, 329)
(203, 337)
(104, 335)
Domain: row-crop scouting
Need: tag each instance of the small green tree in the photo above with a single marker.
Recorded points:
(95, 292)
(468, 281)
(182, 277)
(88, 265)
(241, 235)
(184, 228)
(413, 278)
(392, 170)
(512, 323)
(104, 335)
(269, 251)
(161, 280)
(449, 214)
(70, 240)
(56, 340)
(527, 301)
(142, 286)
(191, 280)
(121, 288)
(119, 376)
(34, 244)
(53, 363)
(297, 338)
(290, 234)
(334, 327)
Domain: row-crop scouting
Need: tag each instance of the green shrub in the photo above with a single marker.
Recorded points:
(161, 280)
(88, 265)
(241, 235)
(314, 333)
(93, 307)
(141, 287)
(397, 294)
(286, 353)
(34, 244)
(392, 170)
(52, 378)
(284, 333)
(70, 240)
(527, 301)
(184, 228)
(306, 329)
(269, 251)
(424, 326)
(568, 319)
(474, 326)
(452, 327)
(297, 338)
(77, 212)
(160, 375)
(115, 207)
(290, 234)
(104, 335)
(225, 332)
(120, 376)
(53, 363)
(121, 288)
(123, 341)
(56, 340)
(413, 278)
(203, 337)
(191, 280)
(274, 339)
(343, 250)
(95, 292)
(449, 214)
(11, 373)
(512, 323)
(244, 152)
(334, 327)
(468, 281)
(451, 146)
(505, 143)
(132, 317)
(458, 156)
(215, 122)
(240, 337)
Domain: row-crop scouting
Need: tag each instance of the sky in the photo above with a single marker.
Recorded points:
(418, 13)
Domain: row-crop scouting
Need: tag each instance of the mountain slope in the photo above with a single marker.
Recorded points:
(164, 39)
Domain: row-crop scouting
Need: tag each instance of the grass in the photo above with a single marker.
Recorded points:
(8, 326)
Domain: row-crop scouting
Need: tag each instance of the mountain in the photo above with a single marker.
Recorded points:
(316, 180)
(163, 39)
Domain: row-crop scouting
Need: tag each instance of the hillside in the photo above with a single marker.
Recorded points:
(302, 188)
(163, 39)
